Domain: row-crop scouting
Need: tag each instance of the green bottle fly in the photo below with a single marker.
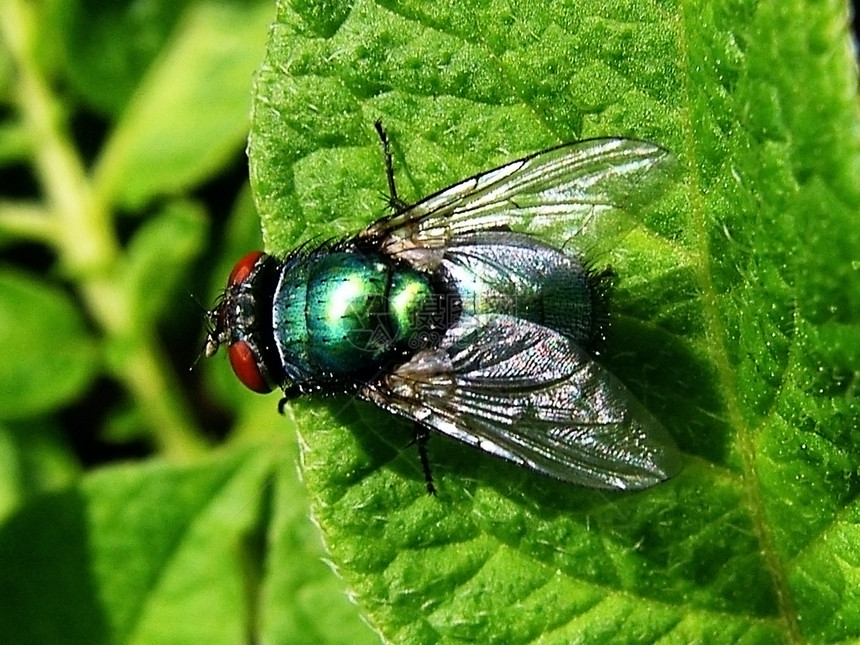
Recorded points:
(452, 313)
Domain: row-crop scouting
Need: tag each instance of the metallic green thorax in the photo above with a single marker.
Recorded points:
(343, 312)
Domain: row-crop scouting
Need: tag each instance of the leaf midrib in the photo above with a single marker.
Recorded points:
(715, 337)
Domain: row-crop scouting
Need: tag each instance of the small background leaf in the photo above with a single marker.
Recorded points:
(160, 254)
(54, 355)
(154, 563)
(187, 116)
(34, 458)
(109, 46)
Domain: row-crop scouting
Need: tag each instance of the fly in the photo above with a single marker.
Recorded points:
(452, 313)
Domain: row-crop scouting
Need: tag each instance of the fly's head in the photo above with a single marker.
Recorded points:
(241, 320)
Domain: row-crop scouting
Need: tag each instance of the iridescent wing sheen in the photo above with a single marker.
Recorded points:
(527, 394)
(561, 192)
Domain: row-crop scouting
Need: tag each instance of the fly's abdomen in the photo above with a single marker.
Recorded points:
(513, 274)
(342, 313)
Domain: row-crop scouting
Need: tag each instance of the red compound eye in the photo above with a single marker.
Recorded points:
(244, 363)
(242, 269)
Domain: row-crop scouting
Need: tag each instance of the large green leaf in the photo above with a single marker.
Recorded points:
(736, 315)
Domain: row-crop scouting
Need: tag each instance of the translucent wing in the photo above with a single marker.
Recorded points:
(527, 394)
(562, 191)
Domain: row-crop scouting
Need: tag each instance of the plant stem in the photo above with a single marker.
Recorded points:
(88, 248)
(27, 220)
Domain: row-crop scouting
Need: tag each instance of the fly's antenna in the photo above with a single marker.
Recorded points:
(207, 317)
(196, 360)
(203, 308)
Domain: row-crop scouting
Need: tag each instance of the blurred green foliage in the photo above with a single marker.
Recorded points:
(138, 502)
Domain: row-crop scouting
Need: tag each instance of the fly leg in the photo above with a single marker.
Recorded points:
(393, 200)
(290, 393)
(422, 434)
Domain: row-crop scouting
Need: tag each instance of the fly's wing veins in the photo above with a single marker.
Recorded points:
(562, 192)
(527, 394)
